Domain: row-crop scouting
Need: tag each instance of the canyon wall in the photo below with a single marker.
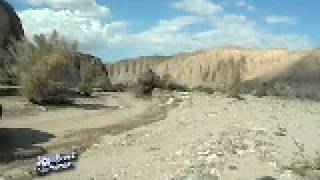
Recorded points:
(277, 71)
(127, 71)
(207, 67)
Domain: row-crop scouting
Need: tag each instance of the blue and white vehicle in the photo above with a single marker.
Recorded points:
(45, 165)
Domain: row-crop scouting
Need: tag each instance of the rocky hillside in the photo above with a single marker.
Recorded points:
(10, 29)
(212, 67)
(126, 71)
(204, 67)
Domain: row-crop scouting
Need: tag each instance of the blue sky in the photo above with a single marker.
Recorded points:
(114, 29)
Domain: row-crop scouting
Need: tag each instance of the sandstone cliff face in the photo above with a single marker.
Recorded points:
(10, 29)
(209, 68)
(295, 73)
(127, 71)
(205, 68)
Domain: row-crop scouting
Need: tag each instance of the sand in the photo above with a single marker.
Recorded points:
(202, 137)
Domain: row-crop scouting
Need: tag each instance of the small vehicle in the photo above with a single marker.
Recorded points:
(42, 170)
(45, 165)
(54, 166)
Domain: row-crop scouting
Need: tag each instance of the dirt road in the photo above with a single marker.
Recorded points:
(58, 129)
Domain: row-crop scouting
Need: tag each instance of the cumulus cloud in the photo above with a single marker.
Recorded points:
(200, 7)
(206, 25)
(88, 8)
(243, 3)
(280, 19)
(82, 20)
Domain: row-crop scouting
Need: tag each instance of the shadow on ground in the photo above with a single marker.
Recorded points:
(20, 143)
(86, 106)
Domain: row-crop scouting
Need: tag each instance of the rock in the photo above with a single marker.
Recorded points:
(10, 29)
(154, 148)
(180, 152)
(266, 178)
(10, 25)
(96, 145)
(233, 167)
(281, 131)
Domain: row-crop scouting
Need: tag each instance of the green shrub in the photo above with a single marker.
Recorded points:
(45, 68)
(85, 88)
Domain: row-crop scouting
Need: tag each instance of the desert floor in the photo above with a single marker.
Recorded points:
(182, 136)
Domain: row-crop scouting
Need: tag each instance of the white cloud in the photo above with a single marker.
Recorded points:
(206, 26)
(244, 4)
(280, 19)
(81, 20)
(172, 36)
(88, 8)
(200, 7)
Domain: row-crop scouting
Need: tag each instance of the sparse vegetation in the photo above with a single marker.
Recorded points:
(147, 82)
(261, 89)
(303, 164)
(205, 89)
(88, 76)
(233, 78)
(45, 68)
(167, 83)
(116, 88)
(105, 84)
(85, 88)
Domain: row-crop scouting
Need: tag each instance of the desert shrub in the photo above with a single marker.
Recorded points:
(118, 87)
(261, 89)
(106, 85)
(233, 78)
(88, 75)
(45, 68)
(147, 82)
(85, 88)
(304, 166)
(167, 83)
(204, 89)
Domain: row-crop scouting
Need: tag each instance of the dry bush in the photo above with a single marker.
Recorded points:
(261, 89)
(204, 89)
(45, 68)
(233, 78)
(167, 83)
(88, 74)
(85, 88)
(105, 85)
(147, 82)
